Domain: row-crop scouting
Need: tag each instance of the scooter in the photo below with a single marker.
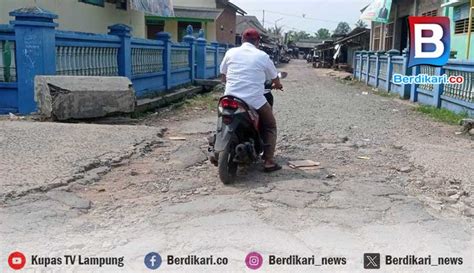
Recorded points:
(238, 140)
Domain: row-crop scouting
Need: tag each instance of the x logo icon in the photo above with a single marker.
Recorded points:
(372, 261)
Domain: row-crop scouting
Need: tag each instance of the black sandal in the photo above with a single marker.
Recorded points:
(274, 168)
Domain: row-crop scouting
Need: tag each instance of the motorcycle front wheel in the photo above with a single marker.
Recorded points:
(227, 166)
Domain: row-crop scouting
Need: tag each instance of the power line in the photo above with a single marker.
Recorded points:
(290, 27)
(303, 16)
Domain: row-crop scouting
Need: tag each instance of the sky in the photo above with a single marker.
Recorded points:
(318, 13)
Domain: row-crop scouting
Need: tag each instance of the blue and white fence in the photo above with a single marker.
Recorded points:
(377, 68)
(31, 46)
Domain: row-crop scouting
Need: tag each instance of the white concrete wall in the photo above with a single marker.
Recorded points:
(196, 3)
(78, 16)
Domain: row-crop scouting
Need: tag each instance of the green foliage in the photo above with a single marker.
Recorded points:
(323, 33)
(295, 36)
(276, 30)
(206, 101)
(360, 24)
(443, 115)
(342, 28)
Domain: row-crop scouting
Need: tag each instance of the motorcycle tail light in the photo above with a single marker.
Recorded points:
(228, 103)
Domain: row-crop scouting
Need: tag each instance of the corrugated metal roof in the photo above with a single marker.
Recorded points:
(308, 43)
(244, 22)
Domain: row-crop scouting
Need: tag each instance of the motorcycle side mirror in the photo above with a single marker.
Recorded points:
(282, 75)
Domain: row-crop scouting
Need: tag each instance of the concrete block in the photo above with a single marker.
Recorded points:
(82, 97)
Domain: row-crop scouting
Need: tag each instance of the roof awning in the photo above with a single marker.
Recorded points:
(197, 13)
(154, 7)
(348, 38)
(453, 3)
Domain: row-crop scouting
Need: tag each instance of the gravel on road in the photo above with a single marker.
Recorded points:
(391, 181)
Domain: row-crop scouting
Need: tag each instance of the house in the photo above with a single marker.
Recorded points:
(217, 18)
(83, 15)
(395, 33)
(358, 39)
(305, 46)
(245, 22)
(269, 43)
(325, 54)
(458, 12)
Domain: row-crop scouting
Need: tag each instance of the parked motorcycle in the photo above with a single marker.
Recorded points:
(285, 58)
(238, 140)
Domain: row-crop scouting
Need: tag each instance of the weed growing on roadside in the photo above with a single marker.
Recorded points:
(442, 114)
(206, 101)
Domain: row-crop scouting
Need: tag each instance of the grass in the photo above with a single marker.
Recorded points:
(442, 114)
(207, 101)
(386, 94)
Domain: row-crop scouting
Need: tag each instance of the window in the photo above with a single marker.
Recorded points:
(431, 13)
(153, 28)
(461, 18)
(121, 4)
(377, 33)
(462, 26)
(388, 36)
(93, 2)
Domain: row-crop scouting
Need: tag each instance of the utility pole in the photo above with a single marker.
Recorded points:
(263, 20)
(469, 31)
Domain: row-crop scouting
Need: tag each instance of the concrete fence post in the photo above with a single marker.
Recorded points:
(201, 45)
(190, 40)
(165, 37)
(438, 88)
(406, 90)
(361, 64)
(390, 54)
(124, 32)
(354, 63)
(414, 87)
(35, 42)
(377, 68)
(216, 58)
(367, 78)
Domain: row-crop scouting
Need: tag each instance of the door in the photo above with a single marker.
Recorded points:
(404, 34)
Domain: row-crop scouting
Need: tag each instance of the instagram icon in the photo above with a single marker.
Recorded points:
(254, 260)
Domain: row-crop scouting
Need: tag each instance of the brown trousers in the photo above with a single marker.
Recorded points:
(269, 131)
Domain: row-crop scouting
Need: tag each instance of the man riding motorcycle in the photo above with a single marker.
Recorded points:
(244, 70)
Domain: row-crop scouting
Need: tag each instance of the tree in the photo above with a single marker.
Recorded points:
(323, 33)
(303, 35)
(361, 24)
(293, 36)
(342, 28)
(276, 30)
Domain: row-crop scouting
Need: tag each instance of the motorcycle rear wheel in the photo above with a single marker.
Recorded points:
(227, 166)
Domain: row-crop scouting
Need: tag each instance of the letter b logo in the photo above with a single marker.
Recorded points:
(430, 40)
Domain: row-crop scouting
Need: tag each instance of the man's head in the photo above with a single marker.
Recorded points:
(252, 36)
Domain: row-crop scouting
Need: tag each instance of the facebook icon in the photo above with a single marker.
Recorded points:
(153, 260)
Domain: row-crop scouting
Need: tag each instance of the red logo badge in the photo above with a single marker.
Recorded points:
(17, 260)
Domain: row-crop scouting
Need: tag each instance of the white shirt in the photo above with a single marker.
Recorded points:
(246, 69)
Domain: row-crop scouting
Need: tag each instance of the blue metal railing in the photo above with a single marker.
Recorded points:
(153, 66)
(456, 97)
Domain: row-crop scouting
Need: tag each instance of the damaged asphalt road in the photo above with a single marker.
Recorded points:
(391, 181)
